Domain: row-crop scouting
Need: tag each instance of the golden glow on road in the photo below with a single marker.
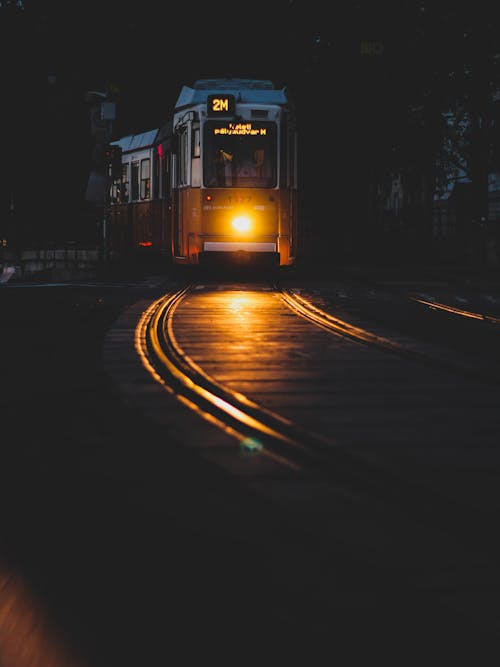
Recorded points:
(238, 303)
(147, 329)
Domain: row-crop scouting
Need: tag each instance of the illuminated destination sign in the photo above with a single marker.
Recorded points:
(220, 105)
(241, 129)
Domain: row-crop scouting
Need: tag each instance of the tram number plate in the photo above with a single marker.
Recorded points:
(220, 105)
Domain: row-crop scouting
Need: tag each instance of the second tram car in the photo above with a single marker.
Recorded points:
(218, 181)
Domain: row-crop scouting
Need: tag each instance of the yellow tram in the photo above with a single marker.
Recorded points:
(217, 182)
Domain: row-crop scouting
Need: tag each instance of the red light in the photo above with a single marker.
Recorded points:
(208, 197)
(145, 244)
(160, 150)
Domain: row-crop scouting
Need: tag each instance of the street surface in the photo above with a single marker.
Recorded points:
(111, 553)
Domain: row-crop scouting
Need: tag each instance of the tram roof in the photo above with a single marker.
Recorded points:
(225, 84)
(135, 141)
(257, 91)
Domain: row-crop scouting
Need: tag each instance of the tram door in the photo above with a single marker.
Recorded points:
(176, 209)
(180, 183)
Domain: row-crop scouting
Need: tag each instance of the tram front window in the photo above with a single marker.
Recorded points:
(239, 154)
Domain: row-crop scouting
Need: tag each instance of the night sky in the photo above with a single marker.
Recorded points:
(355, 69)
(150, 49)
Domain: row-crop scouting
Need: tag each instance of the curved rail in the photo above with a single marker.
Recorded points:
(437, 305)
(255, 427)
(314, 314)
(259, 430)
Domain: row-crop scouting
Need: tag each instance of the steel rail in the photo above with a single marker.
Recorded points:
(254, 426)
(309, 311)
(269, 434)
(437, 305)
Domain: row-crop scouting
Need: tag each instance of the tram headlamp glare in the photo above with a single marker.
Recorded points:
(241, 223)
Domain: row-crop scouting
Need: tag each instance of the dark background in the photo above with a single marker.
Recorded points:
(370, 81)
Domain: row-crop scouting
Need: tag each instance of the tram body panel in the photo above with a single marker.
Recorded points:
(219, 179)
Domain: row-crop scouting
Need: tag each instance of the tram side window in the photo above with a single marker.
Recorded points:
(196, 142)
(184, 158)
(145, 178)
(166, 176)
(156, 175)
(196, 161)
(119, 188)
(124, 185)
(135, 181)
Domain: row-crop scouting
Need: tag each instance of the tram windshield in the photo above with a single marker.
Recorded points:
(239, 154)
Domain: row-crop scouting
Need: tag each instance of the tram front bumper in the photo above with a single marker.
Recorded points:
(240, 252)
(235, 246)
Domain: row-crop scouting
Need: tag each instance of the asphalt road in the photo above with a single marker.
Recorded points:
(109, 554)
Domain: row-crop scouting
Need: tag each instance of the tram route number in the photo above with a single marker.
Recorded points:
(220, 105)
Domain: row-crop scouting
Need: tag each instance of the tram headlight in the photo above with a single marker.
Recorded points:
(241, 224)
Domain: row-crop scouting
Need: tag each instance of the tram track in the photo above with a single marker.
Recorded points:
(254, 426)
(262, 432)
(309, 311)
(255, 371)
(447, 308)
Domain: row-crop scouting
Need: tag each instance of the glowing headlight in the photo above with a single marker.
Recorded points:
(241, 224)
